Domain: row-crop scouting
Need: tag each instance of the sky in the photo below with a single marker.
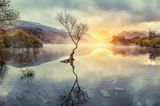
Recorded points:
(104, 17)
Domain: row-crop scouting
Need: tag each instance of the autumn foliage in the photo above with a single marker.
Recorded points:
(20, 39)
(152, 39)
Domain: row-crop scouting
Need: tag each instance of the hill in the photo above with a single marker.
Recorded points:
(45, 33)
(19, 39)
(150, 39)
(48, 34)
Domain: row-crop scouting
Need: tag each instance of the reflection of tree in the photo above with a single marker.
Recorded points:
(21, 56)
(75, 30)
(7, 17)
(153, 53)
(3, 67)
(76, 95)
(3, 71)
(26, 56)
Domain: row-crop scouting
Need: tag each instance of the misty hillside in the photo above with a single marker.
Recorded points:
(19, 39)
(45, 33)
(143, 39)
(48, 34)
(132, 34)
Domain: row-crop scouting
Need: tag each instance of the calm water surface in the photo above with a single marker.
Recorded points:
(108, 76)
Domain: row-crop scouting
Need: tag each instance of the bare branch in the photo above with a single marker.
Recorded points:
(68, 22)
(7, 15)
(74, 29)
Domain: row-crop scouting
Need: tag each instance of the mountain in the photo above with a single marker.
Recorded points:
(132, 34)
(142, 39)
(49, 34)
(128, 37)
(45, 33)
(88, 38)
(28, 24)
(19, 39)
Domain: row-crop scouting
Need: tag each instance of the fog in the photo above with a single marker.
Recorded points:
(108, 79)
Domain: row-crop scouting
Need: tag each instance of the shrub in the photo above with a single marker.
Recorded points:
(20, 39)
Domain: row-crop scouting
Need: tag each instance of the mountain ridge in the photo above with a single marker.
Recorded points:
(48, 34)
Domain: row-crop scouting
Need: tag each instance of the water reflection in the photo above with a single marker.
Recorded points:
(23, 57)
(3, 72)
(3, 66)
(28, 57)
(76, 96)
(126, 81)
(153, 53)
(17, 56)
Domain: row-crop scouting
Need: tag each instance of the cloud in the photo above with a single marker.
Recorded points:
(96, 12)
(48, 4)
(138, 10)
(113, 5)
(44, 11)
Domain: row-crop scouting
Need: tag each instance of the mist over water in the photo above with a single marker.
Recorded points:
(109, 77)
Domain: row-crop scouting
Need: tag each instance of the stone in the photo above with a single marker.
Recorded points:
(119, 89)
(105, 94)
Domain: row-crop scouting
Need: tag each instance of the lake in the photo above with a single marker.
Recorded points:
(111, 76)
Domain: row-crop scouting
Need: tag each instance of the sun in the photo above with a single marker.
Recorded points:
(103, 36)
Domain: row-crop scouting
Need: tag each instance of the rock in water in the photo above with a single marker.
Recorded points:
(119, 89)
(105, 93)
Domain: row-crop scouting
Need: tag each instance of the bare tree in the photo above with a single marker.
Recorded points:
(7, 18)
(74, 29)
(76, 96)
(152, 33)
(7, 15)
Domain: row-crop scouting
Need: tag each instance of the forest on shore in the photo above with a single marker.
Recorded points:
(150, 39)
(18, 39)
